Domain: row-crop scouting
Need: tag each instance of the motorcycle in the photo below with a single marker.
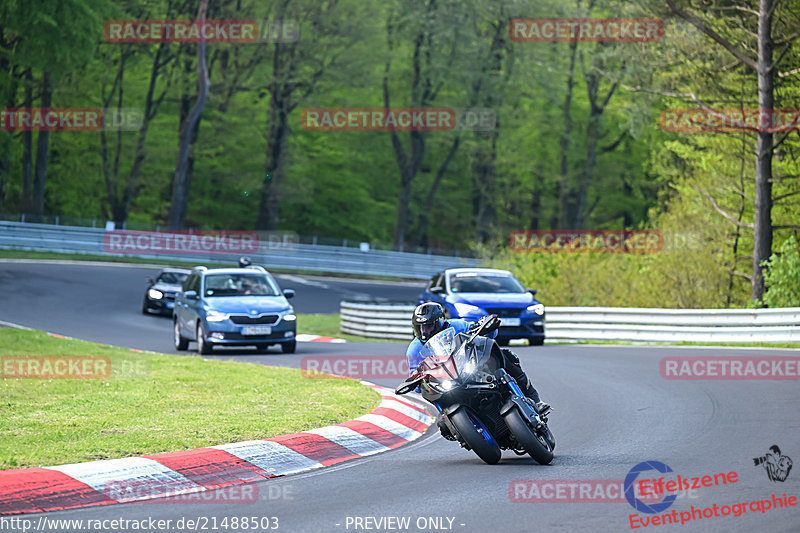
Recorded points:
(480, 405)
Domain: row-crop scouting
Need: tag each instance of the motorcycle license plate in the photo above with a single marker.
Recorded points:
(256, 330)
(509, 322)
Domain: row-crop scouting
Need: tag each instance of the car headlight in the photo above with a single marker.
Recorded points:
(465, 309)
(216, 316)
(154, 294)
(536, 308)
(290, 317)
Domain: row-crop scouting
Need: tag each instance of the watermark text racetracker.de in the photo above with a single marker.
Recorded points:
(199, 242)
(729, 120)
(397, 119)
(48, 524)
(55, 367)
(585, 491)
(585, 241)
(354, 366)
(586, 29)
(70, 119)
(195, 31)
(729, 368)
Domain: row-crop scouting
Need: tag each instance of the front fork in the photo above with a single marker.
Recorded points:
(520, 401)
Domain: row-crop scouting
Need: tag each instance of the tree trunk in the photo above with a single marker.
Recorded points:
(150, 110)
(483, 171)
(276, 149)
(563, 182)
(26, 202)
(40, 173)
(180, 186)
(424, 218)
(762, 222)
(592, 135)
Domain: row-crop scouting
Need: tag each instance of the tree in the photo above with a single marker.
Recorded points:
(765, 67)
(181, 182)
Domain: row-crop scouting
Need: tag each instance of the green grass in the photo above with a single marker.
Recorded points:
(328, 326)
(155, 403)
(24, 254)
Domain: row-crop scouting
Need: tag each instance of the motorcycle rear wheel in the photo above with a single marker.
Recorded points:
(536, 446)
(475, 434)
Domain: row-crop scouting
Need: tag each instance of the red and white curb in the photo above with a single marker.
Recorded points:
(303, 337)
(393, 423)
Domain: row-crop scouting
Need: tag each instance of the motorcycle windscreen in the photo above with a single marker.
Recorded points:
(438, 361)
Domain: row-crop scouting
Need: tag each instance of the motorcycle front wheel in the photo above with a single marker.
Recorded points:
(537, 446)
(475, 434)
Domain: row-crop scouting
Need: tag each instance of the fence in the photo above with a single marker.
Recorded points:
(271, 253)
(606, 323)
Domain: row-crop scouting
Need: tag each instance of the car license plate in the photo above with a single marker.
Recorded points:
(509, 322)
(256, 330)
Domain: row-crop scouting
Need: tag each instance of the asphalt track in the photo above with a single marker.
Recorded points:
(613, 411)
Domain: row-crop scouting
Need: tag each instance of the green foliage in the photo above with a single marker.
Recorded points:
(782, 276)
(346, 184)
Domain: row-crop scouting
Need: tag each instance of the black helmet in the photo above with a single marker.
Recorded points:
(244, 261)
(427, 320)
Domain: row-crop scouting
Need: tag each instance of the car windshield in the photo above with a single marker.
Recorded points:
(494, 283)
(240, 285)
(172, 278)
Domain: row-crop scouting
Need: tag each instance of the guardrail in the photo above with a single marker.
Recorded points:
(271, 254)
(386, 320)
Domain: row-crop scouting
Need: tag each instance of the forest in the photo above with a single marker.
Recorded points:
(688, 127)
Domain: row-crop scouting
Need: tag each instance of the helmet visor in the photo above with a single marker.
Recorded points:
(427, 331)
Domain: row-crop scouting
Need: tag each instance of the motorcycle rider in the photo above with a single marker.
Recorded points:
(428, 320)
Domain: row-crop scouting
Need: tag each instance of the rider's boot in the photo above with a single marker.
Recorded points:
(514, 368)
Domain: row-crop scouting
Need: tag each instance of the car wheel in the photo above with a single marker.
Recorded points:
(289, 347)
(202, 346)
(181, 342)
(536, 341)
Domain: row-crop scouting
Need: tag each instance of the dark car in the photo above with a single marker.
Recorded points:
(471, 293)
(159, 296)
(234, 307)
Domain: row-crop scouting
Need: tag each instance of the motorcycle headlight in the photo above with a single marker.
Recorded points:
(216, 316)
(154, 294)
(447, 384)
(469, 368)
(536, 308)
(465, 309)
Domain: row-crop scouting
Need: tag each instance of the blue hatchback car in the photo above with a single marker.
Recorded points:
(233, 307)
(471, 293)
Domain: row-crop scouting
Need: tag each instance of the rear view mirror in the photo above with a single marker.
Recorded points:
(190, 295)
(533, 291)
(436, 290)
(288, 293)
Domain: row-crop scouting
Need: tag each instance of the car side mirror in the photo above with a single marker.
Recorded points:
(436, 290)
(190, 295)
(149, 280)
(288, 293)
(533, 291)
